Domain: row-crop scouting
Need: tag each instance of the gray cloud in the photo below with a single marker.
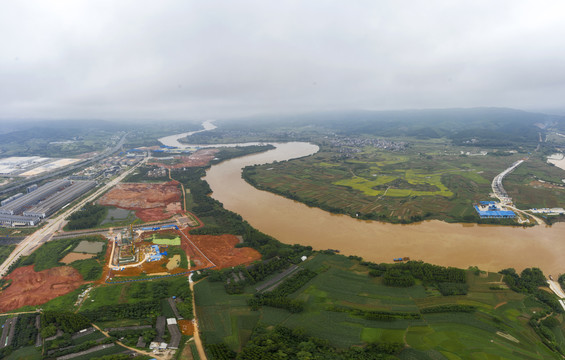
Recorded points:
(200, 59)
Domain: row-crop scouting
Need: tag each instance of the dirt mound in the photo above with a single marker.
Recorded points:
(35, 288)
(222, 251)
(200, 158)
(151, 202)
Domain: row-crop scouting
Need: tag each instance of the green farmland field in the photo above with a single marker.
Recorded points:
(428, 180)
(497, 330)
(166, 241)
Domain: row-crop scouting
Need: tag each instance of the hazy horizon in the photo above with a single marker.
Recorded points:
(215, 60)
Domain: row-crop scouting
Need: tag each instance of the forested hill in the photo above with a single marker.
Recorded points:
(487, 126)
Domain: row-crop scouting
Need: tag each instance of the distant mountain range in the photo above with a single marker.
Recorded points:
(477, 126)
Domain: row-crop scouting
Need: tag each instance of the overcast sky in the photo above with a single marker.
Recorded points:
(214, 59)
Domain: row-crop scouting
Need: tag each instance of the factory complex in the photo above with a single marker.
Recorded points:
(26, 166)
(41, 202)
(493, 210)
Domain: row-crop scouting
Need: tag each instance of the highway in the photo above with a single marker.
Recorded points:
(30, 243)
(503, 197)
(497, 187)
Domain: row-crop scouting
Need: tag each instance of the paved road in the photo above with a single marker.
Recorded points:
(31, 242)
(497, 187)
(502, 196)
(196, 336)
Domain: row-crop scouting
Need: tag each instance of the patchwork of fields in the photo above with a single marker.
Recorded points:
(427, 181)
(498, 328)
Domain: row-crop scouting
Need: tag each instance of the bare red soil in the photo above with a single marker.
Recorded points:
(151, 202)
(35, 288)
(222, 251)
(186, 327)
(200, 158)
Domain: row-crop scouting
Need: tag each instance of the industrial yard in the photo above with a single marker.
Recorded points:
(41, 202)
(26, 166)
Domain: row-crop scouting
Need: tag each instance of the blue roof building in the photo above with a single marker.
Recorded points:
(492, 213)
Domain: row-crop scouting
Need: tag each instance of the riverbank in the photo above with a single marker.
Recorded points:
(490, 247)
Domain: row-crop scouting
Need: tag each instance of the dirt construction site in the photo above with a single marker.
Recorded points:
(34, 288)
(220, 249)
(151, 202)
(200, 158)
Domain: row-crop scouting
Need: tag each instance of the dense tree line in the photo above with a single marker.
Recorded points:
(448, 288)
(398, 278)
(428, 273)
(377, 315)
(68, 322)
(220, 352)
(528, 282)
(448, 280)
(251, 274)
(284, 343)
(140, 310)
(293, 283)
(78, 348)
(91, 215)
(279, 297)
(431, 274)
(543, 329)
(25, 331)
(448, 308)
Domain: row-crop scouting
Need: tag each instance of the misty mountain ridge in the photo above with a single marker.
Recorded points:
(478, 126)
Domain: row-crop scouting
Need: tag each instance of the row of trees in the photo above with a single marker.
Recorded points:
(78, 348)
(377, 315)
(68, 322)
(428, 273)
(279, 297)
(448, 308)
(138, 310)
(448, 280)
(284, 343)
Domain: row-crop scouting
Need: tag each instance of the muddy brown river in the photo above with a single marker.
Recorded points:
(489, 247)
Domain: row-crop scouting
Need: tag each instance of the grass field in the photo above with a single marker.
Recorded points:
(344, 282)
(5, 251)
(166, 241)
(26, 353)
(427, 180)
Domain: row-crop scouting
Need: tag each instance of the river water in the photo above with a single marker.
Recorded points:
(490, 247)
